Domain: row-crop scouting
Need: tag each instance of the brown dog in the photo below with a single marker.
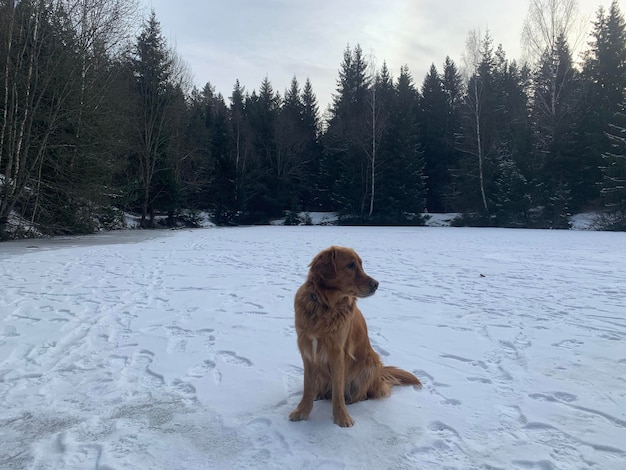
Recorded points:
(339, 362)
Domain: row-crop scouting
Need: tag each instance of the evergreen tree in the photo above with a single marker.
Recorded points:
(346, 164)
(242, 143)
(491, 177)
(403, 184)
(557, 162)
(604, 75)
(454, 91)
(153, 70)
(311, 196)
(433, 123)
(614, 173)
(211, 168)
(264, 193)
(512, 198)
(379, 103)
(56, 138)
(292, 139)
(298, 136)
(478, 140)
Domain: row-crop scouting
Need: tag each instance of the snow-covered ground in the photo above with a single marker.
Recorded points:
(176, 350)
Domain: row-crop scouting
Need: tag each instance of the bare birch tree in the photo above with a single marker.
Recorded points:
(38, 77)
(547, 24)
(472, 59)
(545, 21)
(374, 129)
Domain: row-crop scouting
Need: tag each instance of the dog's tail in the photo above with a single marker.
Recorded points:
(396, 376)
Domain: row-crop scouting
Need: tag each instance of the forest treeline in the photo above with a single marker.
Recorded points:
(97, 120)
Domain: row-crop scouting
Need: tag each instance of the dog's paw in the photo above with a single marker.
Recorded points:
(345, 421)
(298, 415)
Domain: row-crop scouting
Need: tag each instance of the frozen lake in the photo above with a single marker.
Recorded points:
(176, 349)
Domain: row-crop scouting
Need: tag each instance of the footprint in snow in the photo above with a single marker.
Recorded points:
(444, 432)
(568, 343)
(142, 361)
(483, 380)
(445, 445)
(200, 370)
(10, 331)
(176, 345)
(184, 388)
(564, 396)
(232, 358)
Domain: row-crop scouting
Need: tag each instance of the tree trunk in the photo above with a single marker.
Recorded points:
(373, 174)
(479, 147)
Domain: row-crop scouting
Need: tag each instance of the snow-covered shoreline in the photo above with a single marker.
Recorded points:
(178, 350)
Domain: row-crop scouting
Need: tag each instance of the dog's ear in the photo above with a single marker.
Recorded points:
(324, 264)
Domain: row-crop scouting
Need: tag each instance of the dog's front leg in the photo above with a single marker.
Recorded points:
(303, 410)
(340, 412)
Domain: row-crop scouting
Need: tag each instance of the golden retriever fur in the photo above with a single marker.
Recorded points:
(339, 362)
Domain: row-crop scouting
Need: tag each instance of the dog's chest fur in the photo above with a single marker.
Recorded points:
(324, 325)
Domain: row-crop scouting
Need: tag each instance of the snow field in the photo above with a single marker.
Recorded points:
(176, 349)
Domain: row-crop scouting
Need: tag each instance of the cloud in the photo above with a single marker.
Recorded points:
(225, 40)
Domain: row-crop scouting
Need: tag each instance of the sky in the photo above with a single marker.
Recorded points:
(226, 40)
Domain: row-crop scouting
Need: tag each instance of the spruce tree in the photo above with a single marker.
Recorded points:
(153, 69)
(511, 199)
(558, 162)
(614, 173)
(454, 91)
(604, 75)
(403, 186)
(345, 162)
(433, 121)
(242, 143)
(310, 197)
(478, 137)
(265, 196)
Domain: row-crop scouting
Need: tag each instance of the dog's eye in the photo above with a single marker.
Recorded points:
(351, 265)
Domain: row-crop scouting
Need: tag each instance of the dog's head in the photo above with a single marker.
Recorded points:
(341, 268)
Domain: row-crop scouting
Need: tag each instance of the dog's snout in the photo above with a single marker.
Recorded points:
(373, 285)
